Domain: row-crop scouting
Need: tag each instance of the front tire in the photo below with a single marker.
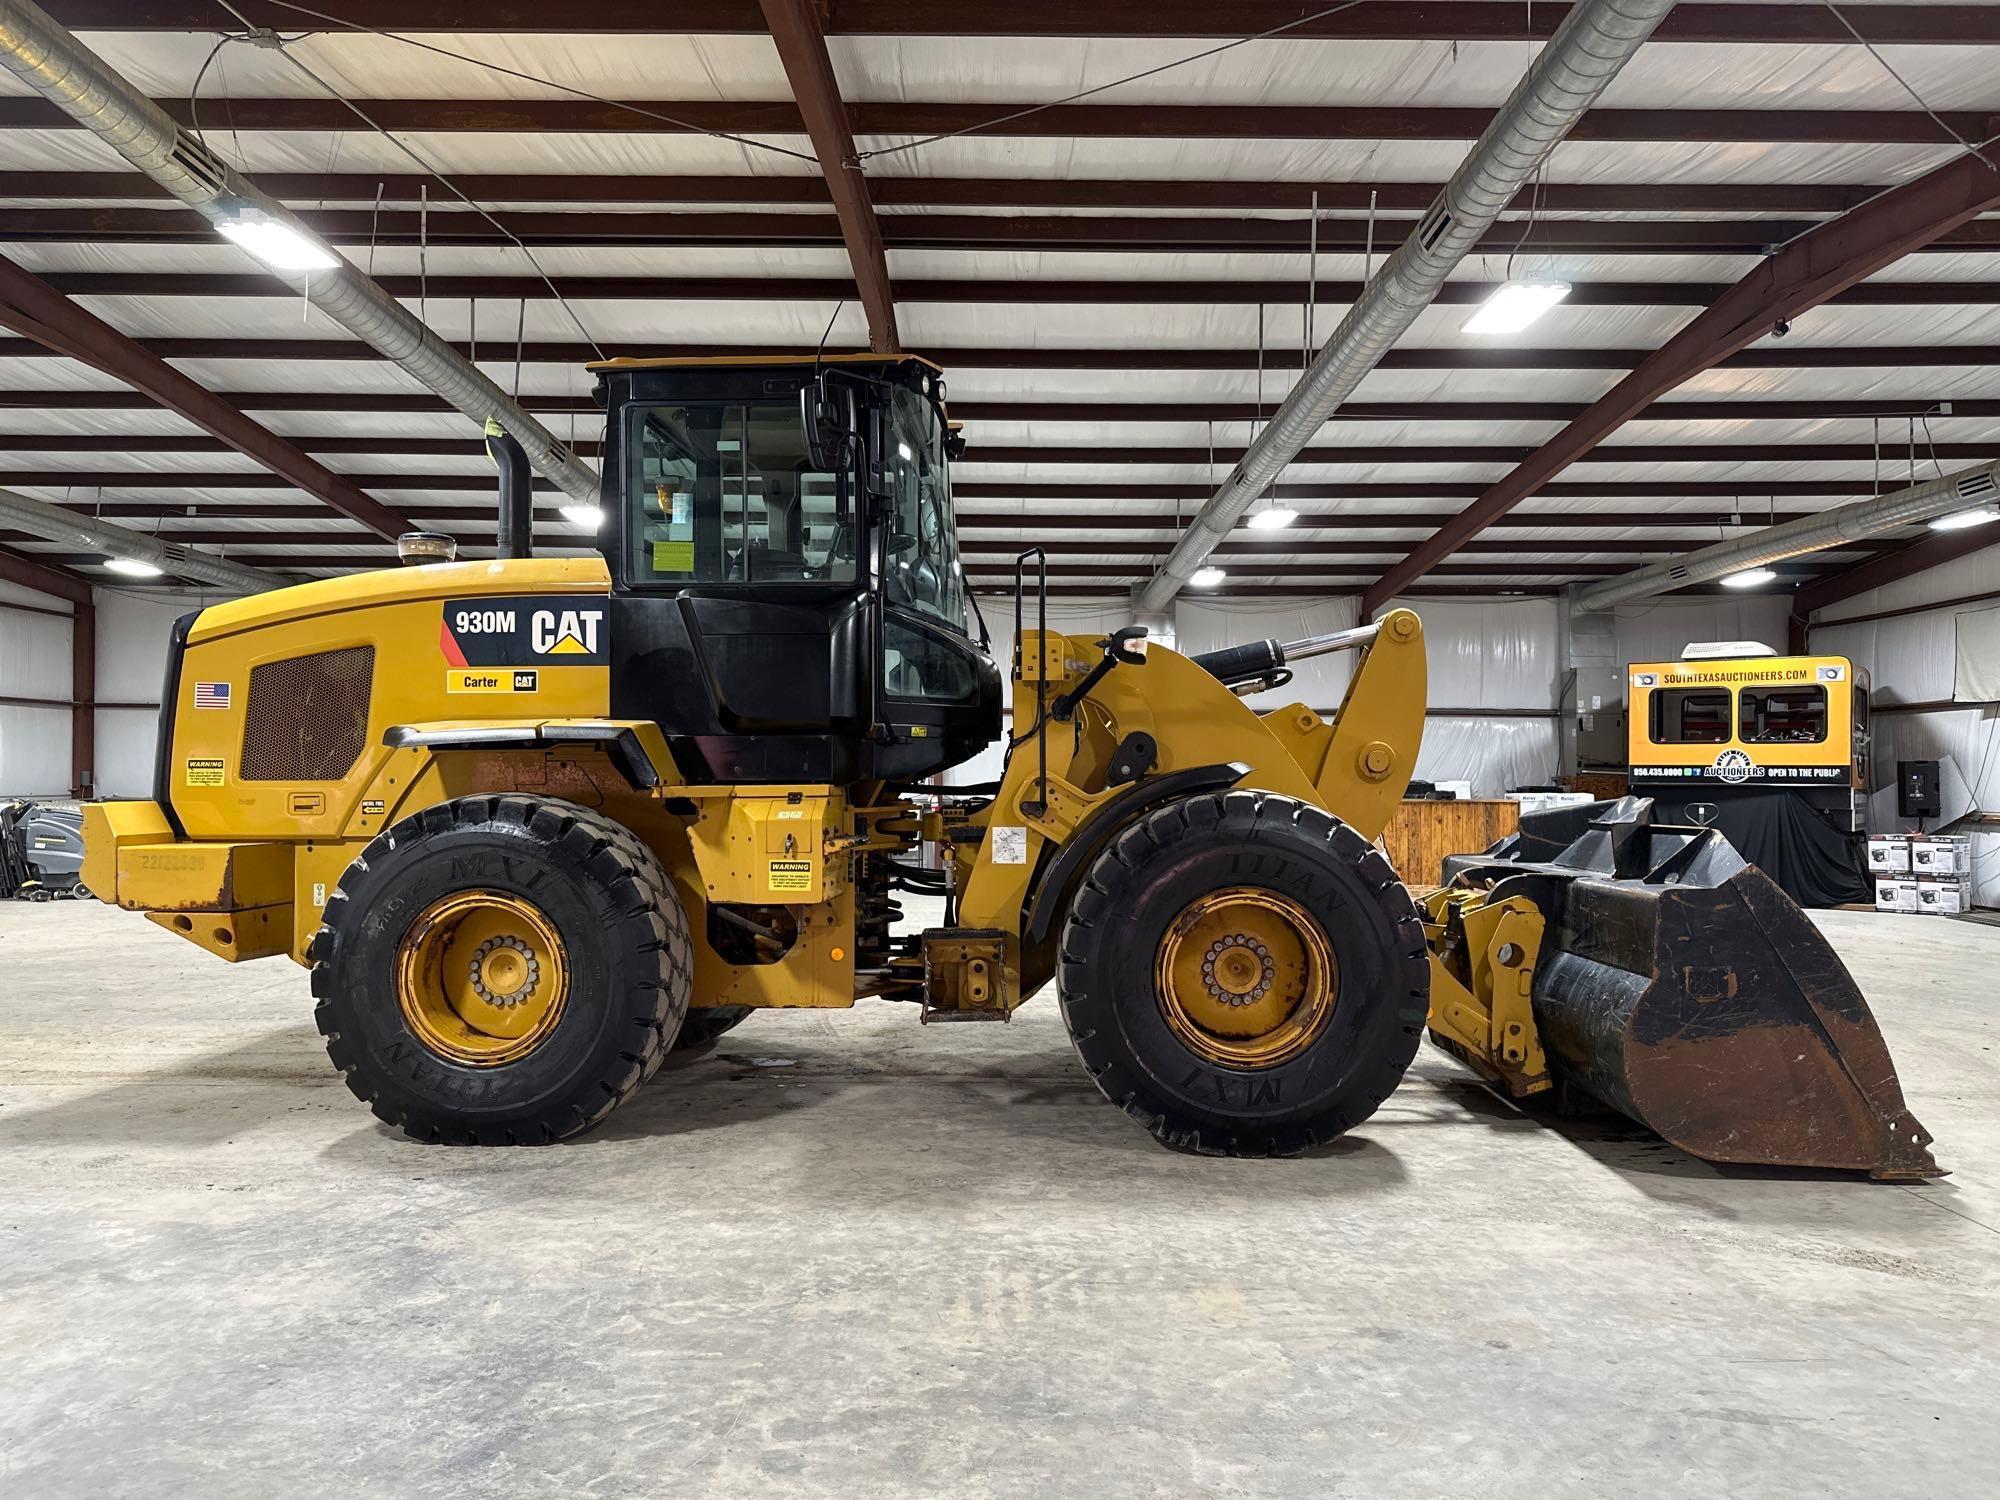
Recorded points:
(501, 970)
(1244, 974)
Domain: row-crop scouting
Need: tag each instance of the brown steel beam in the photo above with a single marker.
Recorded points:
(865, 237)
(978, 290)
(1701, 524)
(1042, 413)
(31, 306)
(795, 30)
(1819, 268)
(1373, 20)
(366, 550)
(1090, 453)
(189, 531)
(38, 574)
(1931, 551)
(1154, 121)
(304, 189)
(1783, 356)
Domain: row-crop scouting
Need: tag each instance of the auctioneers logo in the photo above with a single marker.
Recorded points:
(1734, 766)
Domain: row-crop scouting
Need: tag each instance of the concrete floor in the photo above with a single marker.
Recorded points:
(844, 1255)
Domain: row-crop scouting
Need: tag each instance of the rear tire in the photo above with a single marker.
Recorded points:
(603, 963)
(1325, 1060)
(705, 1023)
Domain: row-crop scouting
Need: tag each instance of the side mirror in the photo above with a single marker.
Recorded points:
(826, 418)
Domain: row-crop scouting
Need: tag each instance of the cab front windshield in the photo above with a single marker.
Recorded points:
(924, 574)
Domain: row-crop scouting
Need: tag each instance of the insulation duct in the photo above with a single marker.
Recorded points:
(1596, 39)
(1969, 489)
(54, 523)
(60, 68)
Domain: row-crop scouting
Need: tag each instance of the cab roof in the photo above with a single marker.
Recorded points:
(735, 361)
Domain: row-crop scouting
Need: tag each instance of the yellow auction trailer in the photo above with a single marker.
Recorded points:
(1714, 725)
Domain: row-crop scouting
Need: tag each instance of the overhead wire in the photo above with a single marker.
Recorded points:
(415, 156)
(1907, 87)
(1179, 62)
(525, 77)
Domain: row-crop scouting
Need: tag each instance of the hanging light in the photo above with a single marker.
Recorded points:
(276, 243)
(131, 567)
(1958, 520)
(1207, 578)
(1749, 578)
(1514, 305)
(589, 517)
(1272, 518)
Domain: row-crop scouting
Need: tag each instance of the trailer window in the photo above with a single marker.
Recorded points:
(1690, 716)
(1783, 716)
(726, 494)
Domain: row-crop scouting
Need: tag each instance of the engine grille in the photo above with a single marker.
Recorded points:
(307, 716)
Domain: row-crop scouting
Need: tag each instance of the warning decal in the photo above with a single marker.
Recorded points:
(206, 773)
(791, 875)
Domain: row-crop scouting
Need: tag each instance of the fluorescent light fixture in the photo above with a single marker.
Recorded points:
(277, 243)
(589, 517)
(1207, 578)
(1272, 518)
(1749, 578)
(1958, 520)
(1514, 305)
(131, 567)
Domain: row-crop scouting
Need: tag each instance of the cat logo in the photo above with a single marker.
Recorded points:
(570, 632)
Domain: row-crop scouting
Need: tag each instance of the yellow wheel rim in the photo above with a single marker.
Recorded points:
(1246, 978)
(482, 977)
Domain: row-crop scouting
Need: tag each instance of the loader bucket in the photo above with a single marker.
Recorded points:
(1683, 988)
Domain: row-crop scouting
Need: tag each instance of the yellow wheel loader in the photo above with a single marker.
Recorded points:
(533, 823)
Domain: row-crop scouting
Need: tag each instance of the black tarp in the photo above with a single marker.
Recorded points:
(1780, 833)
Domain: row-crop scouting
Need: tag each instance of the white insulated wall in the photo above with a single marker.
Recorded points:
(1913, 659)
(34, 663)
(132, 633)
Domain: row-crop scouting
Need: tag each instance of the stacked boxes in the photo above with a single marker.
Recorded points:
(1931, 874)
(1935, 857)
(1895, 893)
(1888, 854)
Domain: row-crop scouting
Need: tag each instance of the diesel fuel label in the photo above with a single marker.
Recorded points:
(791, 875)
(470, 680)
(206, 773)
(525, 630)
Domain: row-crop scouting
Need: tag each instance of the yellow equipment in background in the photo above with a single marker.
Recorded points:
(1705, 724)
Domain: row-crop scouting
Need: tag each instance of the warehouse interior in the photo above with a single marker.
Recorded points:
(1753, 421)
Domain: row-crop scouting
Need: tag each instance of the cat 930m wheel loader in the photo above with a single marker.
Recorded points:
(532, 823)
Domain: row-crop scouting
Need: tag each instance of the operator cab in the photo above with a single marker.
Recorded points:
(787, 598)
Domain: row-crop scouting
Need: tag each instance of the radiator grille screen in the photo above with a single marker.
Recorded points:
(307, 716)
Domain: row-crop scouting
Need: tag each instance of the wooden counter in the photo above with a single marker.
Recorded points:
(1422, 833)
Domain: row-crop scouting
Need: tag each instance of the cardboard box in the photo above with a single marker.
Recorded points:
(1949, 856)
(1888, 855)
(1895, 895)
(1944, 898)
(1539, 802)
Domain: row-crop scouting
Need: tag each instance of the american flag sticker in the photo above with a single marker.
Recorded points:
(211, 695)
